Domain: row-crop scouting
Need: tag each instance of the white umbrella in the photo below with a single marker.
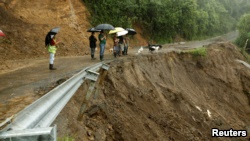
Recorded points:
(121, 33)
(117, 29)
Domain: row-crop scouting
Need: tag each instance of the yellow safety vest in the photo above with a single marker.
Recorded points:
(52, 49)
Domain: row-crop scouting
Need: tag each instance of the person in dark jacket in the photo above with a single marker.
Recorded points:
(92, 44)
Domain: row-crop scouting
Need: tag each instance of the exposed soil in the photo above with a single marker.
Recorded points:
(26, 24)
(165, 97)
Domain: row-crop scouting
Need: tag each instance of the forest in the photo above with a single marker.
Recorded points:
(164, 20)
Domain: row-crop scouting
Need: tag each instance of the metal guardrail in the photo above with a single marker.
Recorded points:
(243, 62)
(33, 122)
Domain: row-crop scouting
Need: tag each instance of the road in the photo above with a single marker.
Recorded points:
(34, 78)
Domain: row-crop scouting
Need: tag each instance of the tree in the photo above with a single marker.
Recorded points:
(163, 20)
(244, 30)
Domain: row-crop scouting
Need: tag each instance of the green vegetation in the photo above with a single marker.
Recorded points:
(246, 55)
(202, 51)
(163, 20)
(244, 32)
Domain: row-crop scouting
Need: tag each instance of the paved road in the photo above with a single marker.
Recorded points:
(28, 80)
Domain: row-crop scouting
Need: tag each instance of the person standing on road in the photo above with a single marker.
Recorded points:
(116, 45)
(102, 39)
(92, 44)
(121, 45)
(52, 47)
(126, 45)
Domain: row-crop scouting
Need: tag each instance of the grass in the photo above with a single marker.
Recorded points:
(202, 51)
(246, 55)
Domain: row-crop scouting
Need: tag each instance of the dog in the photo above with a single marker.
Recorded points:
(139, 50)
(153, 48)
(111, 50)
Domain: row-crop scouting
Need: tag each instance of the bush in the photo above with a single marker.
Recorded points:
(202, 51)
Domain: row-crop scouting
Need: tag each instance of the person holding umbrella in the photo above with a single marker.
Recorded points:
(92, 44)
(116, 45)
(52, 47)
(102, 39)
(126, 45)
(51, 43)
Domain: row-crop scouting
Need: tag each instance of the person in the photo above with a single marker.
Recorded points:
(121, 45)
(126, 45)
(92, 44)
(52, 47)
(102, 39)
(116, 45)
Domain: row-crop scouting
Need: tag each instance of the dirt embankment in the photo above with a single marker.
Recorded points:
(170, 96)
(26, 24)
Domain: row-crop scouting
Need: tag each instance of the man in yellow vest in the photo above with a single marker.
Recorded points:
(52, 51)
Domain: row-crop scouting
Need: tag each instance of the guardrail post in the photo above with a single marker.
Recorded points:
(88, 86)
(103, 72)
(93, 84)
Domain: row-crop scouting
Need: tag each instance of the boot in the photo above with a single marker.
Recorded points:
(115, 54)
(101, 57)
(92, 57)
(51, 67)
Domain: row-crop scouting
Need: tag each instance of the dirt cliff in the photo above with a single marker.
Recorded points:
(26, 24)
(174, 96)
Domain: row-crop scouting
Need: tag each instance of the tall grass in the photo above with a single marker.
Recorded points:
(202, 51)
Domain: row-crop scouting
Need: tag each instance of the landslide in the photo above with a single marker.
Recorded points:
(173, 96)
(26, 24)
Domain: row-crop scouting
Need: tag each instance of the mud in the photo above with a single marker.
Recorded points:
(174, 96)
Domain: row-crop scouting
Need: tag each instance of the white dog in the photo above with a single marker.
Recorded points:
(111, 50)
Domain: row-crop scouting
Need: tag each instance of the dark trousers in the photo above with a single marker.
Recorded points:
(125, 50)
(92, 52)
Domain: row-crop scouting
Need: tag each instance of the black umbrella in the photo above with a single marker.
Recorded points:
(131, 31)
(50, 35)
(93, 30)
(104, 27)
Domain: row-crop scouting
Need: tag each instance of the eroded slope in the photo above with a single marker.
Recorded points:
(166, 97)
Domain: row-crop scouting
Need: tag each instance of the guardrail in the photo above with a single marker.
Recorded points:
(243, 62)
(33, 122)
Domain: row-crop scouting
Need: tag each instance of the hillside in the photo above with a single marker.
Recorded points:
(26, 24)
(174, 96)
(170, 95)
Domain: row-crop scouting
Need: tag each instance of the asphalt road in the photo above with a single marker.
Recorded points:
(28, 80)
